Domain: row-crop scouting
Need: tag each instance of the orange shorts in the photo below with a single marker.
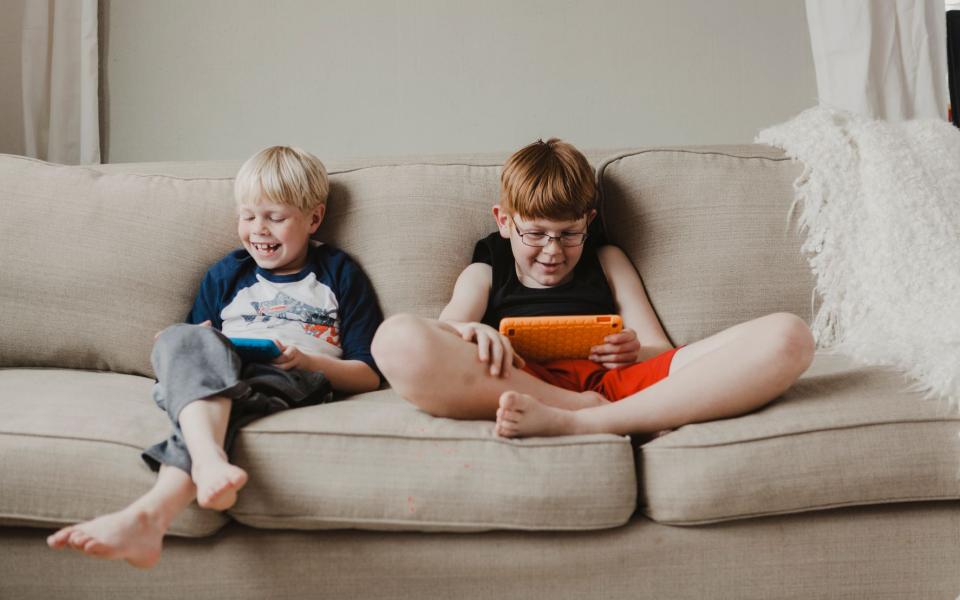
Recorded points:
(581, 375)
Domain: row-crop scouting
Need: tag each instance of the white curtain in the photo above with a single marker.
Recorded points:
(61, 111)
(886, 59)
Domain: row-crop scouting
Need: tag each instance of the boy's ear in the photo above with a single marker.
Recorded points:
(316, 217)
(591, 216)
(503, 220)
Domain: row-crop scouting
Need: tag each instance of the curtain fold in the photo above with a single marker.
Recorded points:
(953, 63)
(61, 112)
(885, 59)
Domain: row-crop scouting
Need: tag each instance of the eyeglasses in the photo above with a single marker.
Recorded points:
(541, 240)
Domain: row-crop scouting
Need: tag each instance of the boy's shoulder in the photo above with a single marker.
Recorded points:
(234, 261)
(491, 248)
(331, 258)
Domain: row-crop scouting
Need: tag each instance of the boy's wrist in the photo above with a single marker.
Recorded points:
(316, 362)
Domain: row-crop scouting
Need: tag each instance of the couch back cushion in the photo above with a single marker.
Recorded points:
(95, 264)
(412, 227)
(709, 231)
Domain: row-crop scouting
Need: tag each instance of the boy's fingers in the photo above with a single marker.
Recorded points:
(619, 358)
(621, 337)
(630, 346)
(496, 361)
(511, 358)
(483, 347)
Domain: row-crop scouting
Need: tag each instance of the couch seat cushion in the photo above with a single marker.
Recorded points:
(376, 462)
(70, 445)
(843, 435)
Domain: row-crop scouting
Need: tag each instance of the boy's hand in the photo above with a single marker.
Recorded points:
(291, 357)
(491, 347)
(619, 349)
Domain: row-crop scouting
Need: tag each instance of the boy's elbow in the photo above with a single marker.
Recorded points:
(367, 379)
(372, 380)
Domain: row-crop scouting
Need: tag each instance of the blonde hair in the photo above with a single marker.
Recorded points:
(548, 180)
(283, 175)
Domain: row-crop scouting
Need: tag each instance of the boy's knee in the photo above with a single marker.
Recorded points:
(792, 340)
(180, 337)
(182, 333)
(401, 345)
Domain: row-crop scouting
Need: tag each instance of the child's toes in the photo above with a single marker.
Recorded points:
(79, 539)
(95, 548)
(59, 539)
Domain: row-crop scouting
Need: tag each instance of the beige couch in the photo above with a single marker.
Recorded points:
(845, 487)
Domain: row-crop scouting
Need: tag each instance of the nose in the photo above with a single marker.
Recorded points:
(554, 241)
(553, 246)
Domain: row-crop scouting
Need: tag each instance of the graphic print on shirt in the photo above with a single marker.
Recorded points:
(316, 321)
(303, 313)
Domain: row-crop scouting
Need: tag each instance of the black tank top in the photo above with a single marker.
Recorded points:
(587, 293)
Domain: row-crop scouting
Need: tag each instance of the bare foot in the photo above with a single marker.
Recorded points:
(217, 483)
(130, 534)
(591, 399)
(581, 400)
(521, 415)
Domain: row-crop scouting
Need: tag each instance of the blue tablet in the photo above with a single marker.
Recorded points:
(255, 349)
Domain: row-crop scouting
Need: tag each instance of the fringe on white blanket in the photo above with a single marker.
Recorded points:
(880, 204)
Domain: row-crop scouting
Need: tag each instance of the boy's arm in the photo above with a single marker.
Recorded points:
(352, 376)
(469, 300)
(463, 313)
(633, 304)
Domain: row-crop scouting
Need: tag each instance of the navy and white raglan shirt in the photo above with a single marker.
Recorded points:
(328, 307)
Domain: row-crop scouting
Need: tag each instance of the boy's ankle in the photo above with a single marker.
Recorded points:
(153, 515)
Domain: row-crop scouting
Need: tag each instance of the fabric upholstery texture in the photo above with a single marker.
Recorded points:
(842, 435)
(411, 227)
(70, 444)
(876, 552)
(375, 462)
(708, 231)
(102, 262)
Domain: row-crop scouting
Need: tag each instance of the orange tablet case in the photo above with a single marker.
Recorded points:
(550, 338)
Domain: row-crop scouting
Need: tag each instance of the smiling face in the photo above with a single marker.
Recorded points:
(547, 266)
(277, 236)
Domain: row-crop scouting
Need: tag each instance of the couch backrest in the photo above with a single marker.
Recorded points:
(96, 262)
(711, 233)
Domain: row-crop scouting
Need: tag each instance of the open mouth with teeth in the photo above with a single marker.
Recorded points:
(265, 248)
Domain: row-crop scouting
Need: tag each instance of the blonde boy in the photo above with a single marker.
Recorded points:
(542, 261)
(279, 286)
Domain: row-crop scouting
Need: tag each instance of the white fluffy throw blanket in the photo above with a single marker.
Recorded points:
(880, 202)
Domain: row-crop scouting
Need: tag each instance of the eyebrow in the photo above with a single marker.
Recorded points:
(538, 228)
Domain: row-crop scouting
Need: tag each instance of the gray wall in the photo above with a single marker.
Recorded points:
(218, 79)
(11, 97)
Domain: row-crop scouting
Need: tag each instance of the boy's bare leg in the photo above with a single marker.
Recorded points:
(429, 364)
(728, 374)
(134, 534)
(204, 426)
